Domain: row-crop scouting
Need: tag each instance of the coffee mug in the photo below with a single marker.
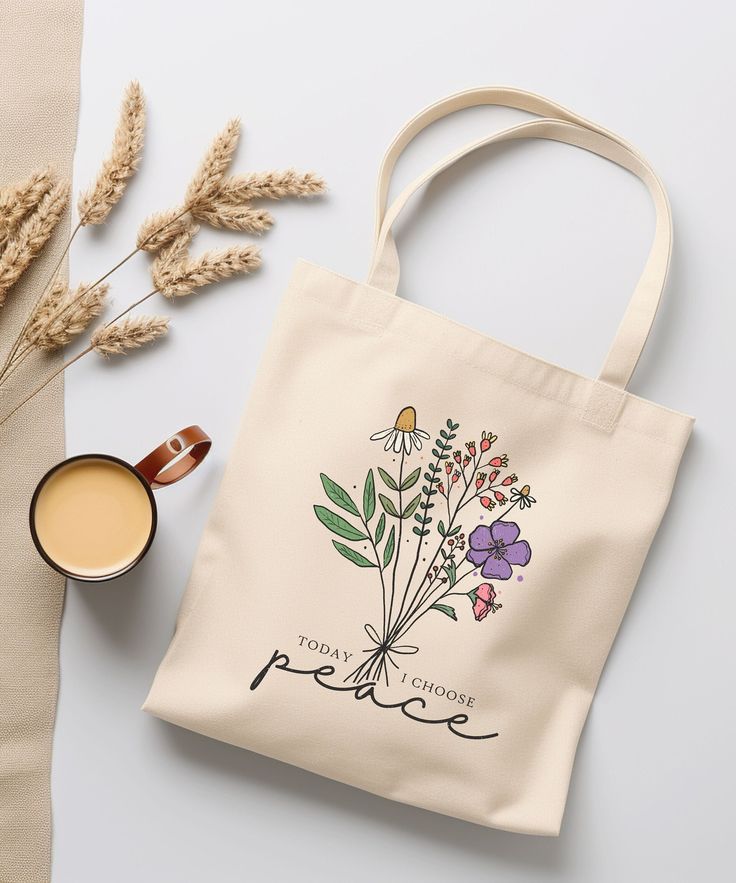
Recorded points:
(93, 517)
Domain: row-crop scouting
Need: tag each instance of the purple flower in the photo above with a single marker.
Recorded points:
(496, 548)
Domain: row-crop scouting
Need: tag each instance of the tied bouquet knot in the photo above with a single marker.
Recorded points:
(380, 653)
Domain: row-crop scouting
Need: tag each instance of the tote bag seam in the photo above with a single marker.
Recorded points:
(577, 411)
(484, 338)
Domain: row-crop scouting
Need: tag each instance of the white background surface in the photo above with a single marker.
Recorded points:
(537, 244)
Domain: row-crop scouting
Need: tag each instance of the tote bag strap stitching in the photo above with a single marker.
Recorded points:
(634, 329)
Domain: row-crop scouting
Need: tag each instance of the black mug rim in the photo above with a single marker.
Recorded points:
(105, 577)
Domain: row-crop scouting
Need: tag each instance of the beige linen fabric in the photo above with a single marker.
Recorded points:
(284, 642)
(39, 57)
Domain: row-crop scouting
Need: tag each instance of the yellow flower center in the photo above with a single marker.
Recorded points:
(525, 491)
(407, 420)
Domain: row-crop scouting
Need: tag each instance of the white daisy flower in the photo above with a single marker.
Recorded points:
(403, 434)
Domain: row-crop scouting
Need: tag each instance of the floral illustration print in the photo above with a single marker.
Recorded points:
(484, 603)
(419, 578)
(402, 434)
(496, 548)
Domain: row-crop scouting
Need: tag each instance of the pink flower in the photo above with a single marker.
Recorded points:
(481, 477)
(471, 448)
(483, 599)
(487, 502)
(455, 476)
(458, 456)
(497, 462)
(511, 479)
(487, 440)
(493, 476)
(448, 467)
(500, 497)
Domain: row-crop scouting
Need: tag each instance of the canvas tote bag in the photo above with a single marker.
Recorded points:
(417, 563)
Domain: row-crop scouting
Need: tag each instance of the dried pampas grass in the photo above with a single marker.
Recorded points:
(18, 200)
(181, 279)
(176, 252)
(63, 314)
(95, 204)
(45, 310)
(235, 217)
(30, 210)
(128, 334)
(270, 185)
(32, 235)
(205, 183)
(162, 228)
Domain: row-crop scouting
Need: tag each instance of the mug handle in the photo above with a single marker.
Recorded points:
(185, 449)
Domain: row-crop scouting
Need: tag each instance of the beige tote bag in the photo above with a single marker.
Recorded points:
(405, 585)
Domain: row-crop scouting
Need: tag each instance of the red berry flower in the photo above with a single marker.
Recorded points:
(487, 439)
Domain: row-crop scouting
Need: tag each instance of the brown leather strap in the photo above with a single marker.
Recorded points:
(185, 450)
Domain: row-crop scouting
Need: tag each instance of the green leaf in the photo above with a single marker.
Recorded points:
(441, 528)
(388, 552)
(369, 496)
(388, 505)
(450, 569)
(454, 531)
(337, 524)
(339, 496)
(419, 532)
(446, 609)
(387, 479)
(411, 508)
(380, 527)
(352, 555)
(411, 480)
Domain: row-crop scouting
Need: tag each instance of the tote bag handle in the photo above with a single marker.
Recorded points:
(562, 125)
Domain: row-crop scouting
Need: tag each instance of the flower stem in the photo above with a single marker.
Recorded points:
(380, 569)
(412, 606)
(504, 513)
(398, 543)
(421, 539)
(409, 621)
